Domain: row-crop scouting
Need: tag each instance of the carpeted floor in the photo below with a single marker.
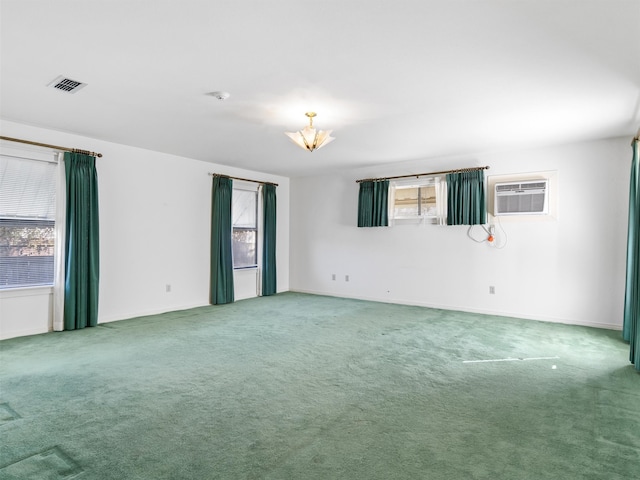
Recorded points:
(298, 386)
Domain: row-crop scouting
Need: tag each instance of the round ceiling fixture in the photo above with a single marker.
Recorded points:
(220, 95)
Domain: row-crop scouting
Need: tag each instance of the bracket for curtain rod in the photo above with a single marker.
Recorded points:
(243, 179)
(418, 175)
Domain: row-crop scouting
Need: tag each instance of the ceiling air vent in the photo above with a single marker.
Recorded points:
(66, 84)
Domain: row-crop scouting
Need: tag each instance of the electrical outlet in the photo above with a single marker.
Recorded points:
(333, 276)
(168, 288)
(346, 278)
(492, 290)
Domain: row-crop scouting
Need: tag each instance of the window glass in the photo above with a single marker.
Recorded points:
(421, 200)
(428, 200)
(244, 214)
(244, 248)
(414, 201)
(243, 208)
(406, 202)
(27, 221)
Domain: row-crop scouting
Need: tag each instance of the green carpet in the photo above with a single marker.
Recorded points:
(298, 386)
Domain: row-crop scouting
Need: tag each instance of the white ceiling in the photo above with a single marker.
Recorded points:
(397, 80)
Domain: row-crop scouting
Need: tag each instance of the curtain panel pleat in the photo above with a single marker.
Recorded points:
(269, 280)
(373, 199)
(221, 285)
(82, 248)
(631, 324)
(466, 198)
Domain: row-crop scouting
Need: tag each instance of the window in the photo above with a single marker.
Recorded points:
(415, 201)
(244, 215)
(422, 199)
(27, 221)
(418, 200)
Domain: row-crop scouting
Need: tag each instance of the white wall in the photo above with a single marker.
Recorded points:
(26, 311)
(154, 217)
(154, 231)
(569, 269)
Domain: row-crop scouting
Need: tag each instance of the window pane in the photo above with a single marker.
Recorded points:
(428, 200)
(244, 248)
(27, 214)
(244, 208)
(406, 202)
(28, 188)
(26, 253)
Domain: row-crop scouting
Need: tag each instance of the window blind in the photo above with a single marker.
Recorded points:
(27, 221)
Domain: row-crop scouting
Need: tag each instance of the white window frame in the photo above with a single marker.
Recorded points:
(255, 188)
(47, 156)
(437, 218)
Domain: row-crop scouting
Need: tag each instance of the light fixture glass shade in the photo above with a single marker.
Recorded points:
(309, 138)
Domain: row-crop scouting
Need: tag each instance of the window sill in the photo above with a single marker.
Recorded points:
(26, 291)
(414, 221)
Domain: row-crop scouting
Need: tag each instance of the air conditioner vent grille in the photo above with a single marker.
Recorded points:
(507, 187)
(66, 84)
(522, 198)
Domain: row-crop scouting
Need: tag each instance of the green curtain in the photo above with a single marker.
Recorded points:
(269, 284)
(221, 287)
(631, 324)
(82, 244)
(466, 198)
(373, 201)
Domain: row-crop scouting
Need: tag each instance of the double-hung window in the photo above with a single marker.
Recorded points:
(27, 220)
(244, 214)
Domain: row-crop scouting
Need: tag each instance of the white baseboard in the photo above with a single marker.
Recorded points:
(146, 313)
(23, 333)
(524, 316)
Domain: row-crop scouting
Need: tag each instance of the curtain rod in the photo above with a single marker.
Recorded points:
(56, 147)
(243, 179)
(416, 175)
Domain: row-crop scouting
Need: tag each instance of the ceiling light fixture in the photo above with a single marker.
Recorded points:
(309, 138)
(219, 95)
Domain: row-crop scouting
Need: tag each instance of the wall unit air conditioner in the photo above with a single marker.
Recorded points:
(521, 198)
